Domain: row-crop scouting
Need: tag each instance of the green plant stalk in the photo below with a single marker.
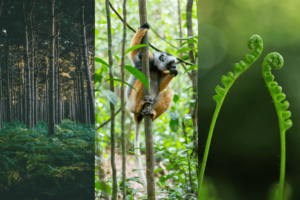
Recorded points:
(255, 43)
(275, 60)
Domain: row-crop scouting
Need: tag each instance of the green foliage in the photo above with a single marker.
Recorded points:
(176, 183)
(255, 43)
(34, 165)
(275, 60)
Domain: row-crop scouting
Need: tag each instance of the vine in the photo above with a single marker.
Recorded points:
(275, 60)
(255, 44)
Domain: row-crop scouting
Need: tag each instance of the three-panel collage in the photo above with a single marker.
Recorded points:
(149, 100)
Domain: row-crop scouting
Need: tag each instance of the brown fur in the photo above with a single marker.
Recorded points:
(136, 41)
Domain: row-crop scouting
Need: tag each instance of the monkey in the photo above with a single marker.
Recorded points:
(162, 67)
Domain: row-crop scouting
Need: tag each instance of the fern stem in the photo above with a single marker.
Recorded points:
(275, 60)
(282, 164)
(255, 43)
(211, 130)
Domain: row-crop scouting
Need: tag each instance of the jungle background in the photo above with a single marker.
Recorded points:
(173, 131)
(244, 157)
(46, 99)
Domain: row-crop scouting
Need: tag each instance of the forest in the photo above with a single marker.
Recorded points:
(244, 146)
(47, 110)
(173, 29)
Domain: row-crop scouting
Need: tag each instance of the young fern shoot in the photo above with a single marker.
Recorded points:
(275, 60)
(255, 44)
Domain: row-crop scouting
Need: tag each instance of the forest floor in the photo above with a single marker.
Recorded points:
(130, 165)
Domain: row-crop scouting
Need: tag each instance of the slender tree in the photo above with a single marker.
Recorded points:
(112, 107)
(51, 122)
(123, 103)
(87, 67)
(148, 117)
(83, 106)
(8, 100)
(1, 104)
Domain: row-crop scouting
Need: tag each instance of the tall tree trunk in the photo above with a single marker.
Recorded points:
(8, 110)
(87, 67)
(88, 110)
(1, 104)
(51, 122)
(112, 107)
(83, 106)
(58, 87)
(32, 69)
(79, 94)
(189, 9)
(12, 86)
(24, 95)
(36, 100)
(28, 79)
(19, 86)
(147, 118)
(123, 104)
(56, 79)
(63, 110)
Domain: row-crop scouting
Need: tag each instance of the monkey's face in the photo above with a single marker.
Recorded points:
(164, 61)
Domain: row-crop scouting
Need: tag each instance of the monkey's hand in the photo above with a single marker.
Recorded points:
(173, 71)
(148, 111)
(147, 99)
(145, 26)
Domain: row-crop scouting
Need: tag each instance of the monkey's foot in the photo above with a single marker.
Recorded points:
(148, 111)
(145, 26)
(147, 99)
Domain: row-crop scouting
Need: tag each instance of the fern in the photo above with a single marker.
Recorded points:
(255, 44)
(57, 167)
(275, 60)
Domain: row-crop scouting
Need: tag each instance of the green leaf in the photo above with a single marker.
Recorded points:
(119, 80)
(99, 60)
(185, 57)
(158, 170)
(111, 96)
(117, 58)
(191, 68)
(135, 47)
(175, 98)
(174, 125)
(100, 186)
(138, 74)
(183, 49)
(98, 78)
(97, 31)
(162, 179)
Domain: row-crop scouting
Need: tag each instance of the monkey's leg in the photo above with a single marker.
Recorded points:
(138, 160)
(162, 103)
(137, 40)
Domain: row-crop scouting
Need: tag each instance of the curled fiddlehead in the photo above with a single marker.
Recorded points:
(255, 44)
(275, 60)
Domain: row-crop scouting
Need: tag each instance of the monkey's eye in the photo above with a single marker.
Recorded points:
(162, 58)
(172, 62)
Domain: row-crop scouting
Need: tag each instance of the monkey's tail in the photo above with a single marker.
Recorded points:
(138, 159)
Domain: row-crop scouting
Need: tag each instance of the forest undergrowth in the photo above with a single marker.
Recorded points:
(36, 166)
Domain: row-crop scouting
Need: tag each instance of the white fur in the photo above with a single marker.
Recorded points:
(162, 65)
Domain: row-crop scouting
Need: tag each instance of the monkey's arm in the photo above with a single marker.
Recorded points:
(165, 80)
(137, 40)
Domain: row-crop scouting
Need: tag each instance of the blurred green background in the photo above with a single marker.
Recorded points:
(244, 157)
